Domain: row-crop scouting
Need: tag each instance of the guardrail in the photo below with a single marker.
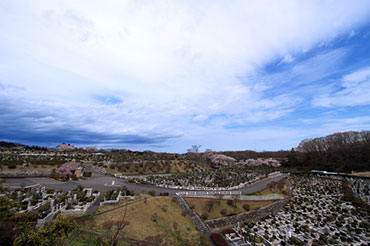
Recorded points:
(200, 193)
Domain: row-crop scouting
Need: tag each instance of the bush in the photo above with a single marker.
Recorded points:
(246, 207)
(209, 205)
(230, 202)
(164, 208)
(151, 192)
(90, 199)
(50, 190)
(224, 212)
(155, 217)
(12, 166)
(204, 215)
(87, 174)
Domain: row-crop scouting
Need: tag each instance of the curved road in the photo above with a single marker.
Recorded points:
(104, 182)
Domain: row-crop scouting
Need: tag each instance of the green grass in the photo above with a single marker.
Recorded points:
(200, 207)
(139, 215)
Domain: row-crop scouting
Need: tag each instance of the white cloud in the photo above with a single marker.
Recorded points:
(354, 91)
(287, 59)
(352, 34)
(165, 61)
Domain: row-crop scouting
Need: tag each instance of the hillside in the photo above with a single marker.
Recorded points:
(341, 152)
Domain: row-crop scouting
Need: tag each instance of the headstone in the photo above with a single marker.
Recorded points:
(52, 206)
(19, 197)
(75, 197)
(112, 182)
(89, 192)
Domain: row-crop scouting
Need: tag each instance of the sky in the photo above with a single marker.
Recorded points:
(165, 75)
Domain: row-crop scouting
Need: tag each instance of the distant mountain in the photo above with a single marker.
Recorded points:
(9, 145)
(17, 146)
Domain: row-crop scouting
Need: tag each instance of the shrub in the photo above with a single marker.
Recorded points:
(209, 205)
(155, 217)
(246, 207)
(204, 215)
(12, 166)
(164, 208)
(90, 199)
(224, 212)
(50, 190)
(87, 174)
(230, 202)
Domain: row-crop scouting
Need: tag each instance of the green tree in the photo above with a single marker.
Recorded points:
(55, 233)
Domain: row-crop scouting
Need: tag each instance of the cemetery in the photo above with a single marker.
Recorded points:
(316, 215)
(113, 197)
(48, 202)
(79, 200)
(360, 188)
(218, 179)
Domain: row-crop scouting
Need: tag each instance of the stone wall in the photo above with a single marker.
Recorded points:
(251, 215)
(199, 223)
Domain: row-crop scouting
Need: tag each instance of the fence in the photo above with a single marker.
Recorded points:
(209, 193)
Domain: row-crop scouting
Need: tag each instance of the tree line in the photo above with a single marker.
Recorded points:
(341, 152)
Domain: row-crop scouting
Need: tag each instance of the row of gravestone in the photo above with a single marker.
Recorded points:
(26, 173)
(94, 169)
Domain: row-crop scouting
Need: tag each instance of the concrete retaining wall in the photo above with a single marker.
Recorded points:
(252, 215)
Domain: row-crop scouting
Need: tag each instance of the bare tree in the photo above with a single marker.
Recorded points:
(113, 229)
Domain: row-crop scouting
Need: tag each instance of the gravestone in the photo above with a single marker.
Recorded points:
(52, 206)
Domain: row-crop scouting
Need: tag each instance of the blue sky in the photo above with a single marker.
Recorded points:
(164, 75)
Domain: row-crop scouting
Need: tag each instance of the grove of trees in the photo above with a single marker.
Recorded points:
(341, 152)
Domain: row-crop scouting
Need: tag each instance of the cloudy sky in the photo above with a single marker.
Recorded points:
(163, 75)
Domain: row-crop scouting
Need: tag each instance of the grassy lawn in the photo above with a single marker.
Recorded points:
(141, 226)
(201, 207)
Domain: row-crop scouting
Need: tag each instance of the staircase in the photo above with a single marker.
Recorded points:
(199, 223)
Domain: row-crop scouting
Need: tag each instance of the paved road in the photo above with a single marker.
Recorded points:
(104, 182)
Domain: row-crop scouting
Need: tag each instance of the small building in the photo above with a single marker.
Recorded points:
(71, 168)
